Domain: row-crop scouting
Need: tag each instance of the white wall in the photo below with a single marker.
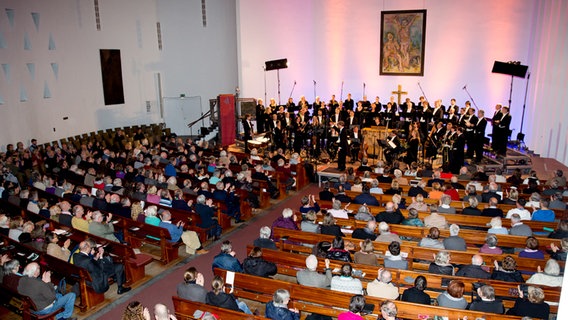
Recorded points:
(331, 41)
(196, 61)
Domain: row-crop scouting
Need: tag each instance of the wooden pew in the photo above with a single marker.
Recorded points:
(60, 269)
(308, 299)
(184, 310)
(289, 263)
(23, 304)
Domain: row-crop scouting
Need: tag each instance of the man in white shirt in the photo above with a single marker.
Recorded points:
(520, 210)
(382, 286)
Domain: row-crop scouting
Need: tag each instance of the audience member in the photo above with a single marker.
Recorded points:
(277, 308)
(382, 287)
(393, 258)
(345, 282)
(507, 271)
(254, 264)
(474, 270)
(366, 233)
(226, 258)
(391, 214)
(416, 293)
(310, 277)
(192, 286)
(454, 241)
(432, 240)
(264, 241)
(549, 277)
(356, 307)
(487, 301)
(136, 311)
(518, 228)
(441, 264)
(453, 296)
(219, 298)
(532, 306)
(490, 245)
(329, 227)
(385, 235)
(531, 249)
(367, 254)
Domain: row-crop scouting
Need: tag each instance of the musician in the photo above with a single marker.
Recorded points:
(259, 113)
(290, 105)
(248, 130)
(316, 131)
(470, 122)
(316, 105)
(438, 112)
(394, 104)
(272, 106)
(273, 123)
(279, 135)
(453, 106)
(452, 116)
(467, 107)
(343, 145)
(266, 118)
(435, 139)
(407, 112)
(462, 118)
(349, 104)
(333, 104)
(366, 103)
(502, 135)
(389, 115)
(413, 145)
(299, 134)
(480, 135)
(371, 115)
(360, 114)
(457, 156)
(393, 146)
(335, 118)
(424, 116)
(494, 122)
(351, 120)
(304, 103)
(355, 143)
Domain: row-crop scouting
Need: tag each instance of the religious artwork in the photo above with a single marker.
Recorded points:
(403, 35)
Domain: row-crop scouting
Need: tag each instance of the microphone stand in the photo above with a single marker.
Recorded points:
(364, 85)
(294, 86)
(465, 88)
(264, 68)
(422, 91)
(315, 83)
(521, 135)
(341, 92)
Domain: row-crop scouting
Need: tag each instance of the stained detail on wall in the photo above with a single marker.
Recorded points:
(46, 91)
(204, 13)
(27, 42)
(159, 31)
(6, 69)
(97, 15)
(35, 17)
(3, 44)
(55, 69)
(10, 13)
(31, 70)
(51, 45)
(23, 94)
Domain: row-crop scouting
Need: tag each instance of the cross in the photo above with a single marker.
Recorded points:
(399, 93)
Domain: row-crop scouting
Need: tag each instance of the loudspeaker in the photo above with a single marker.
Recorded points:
(111, 71)
(276, 64)
(517, 70)
(204, 131)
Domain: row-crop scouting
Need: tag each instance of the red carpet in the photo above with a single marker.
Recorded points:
(161, 290)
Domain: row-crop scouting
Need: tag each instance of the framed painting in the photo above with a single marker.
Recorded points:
(403, 35)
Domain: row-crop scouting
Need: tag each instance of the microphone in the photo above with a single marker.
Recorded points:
(294, 82)
(465, 86)
(315, 82)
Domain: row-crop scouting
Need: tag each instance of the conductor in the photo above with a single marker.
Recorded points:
(248, 130)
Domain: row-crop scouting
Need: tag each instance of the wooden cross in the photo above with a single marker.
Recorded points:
(399, 93)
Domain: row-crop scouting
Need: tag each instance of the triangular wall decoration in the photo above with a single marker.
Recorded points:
(46, 91)
(31, 69)
(35, 16)
(3, 44)
(10, 14)
(27, 42)
(55, 68)
(6, 69)
(51, 42)
(23, 94)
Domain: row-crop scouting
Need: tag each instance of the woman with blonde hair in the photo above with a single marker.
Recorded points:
(367, 254)
(136, 311)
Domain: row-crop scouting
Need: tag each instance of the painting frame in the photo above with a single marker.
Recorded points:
(403, 42)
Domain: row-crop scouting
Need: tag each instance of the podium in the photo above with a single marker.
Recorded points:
(370, 136)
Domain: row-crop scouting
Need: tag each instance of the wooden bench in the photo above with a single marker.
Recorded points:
(184, 310)
(332, 303)
(23, 305)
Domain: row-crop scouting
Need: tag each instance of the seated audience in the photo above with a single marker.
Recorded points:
(310, 277)
(492, 210)
(453, 296)
(418, 204)
(557, 253)
(366, 233)
(550, 276)
(507, 271)
(441, 264)
(497, 226)
(391, 214)
(385, 235)
(412, 219)
(329, 227)
(432, 240)
(454, 241)
(518, 228)
(336, 210)
(416, 293)
(337, 251)
(286, 221)
(393, 259)
(136, 311)
(254, 264)
(345, 282)
(487, 301)
(309, 224)
(520, 210)
(531, 249)
(226, 258)
(532, 306)
(543, 213)
(435, 220)
(367, 254)
(264, 241)
(490, 245)
(363, 214)
(444, 206)
(382, 287)
(277, 308)
(192, 286)
(388, 310)
(472, 209)
(474, 270)
(219, 298)
(356, 307)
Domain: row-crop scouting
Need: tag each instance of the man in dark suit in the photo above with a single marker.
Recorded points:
(392, 148)
(351, 120)
(469, 132)
(495, 124)
(458, 154)
(502, 134)
(342, 142)
(248, 130)
(100, 267)
(479, 139)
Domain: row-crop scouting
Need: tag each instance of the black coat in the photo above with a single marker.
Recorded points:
(222, 300)
(259, 267)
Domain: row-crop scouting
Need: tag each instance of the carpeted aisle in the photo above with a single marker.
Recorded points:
(162, 288)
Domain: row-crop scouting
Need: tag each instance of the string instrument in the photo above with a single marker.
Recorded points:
(363, 150)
